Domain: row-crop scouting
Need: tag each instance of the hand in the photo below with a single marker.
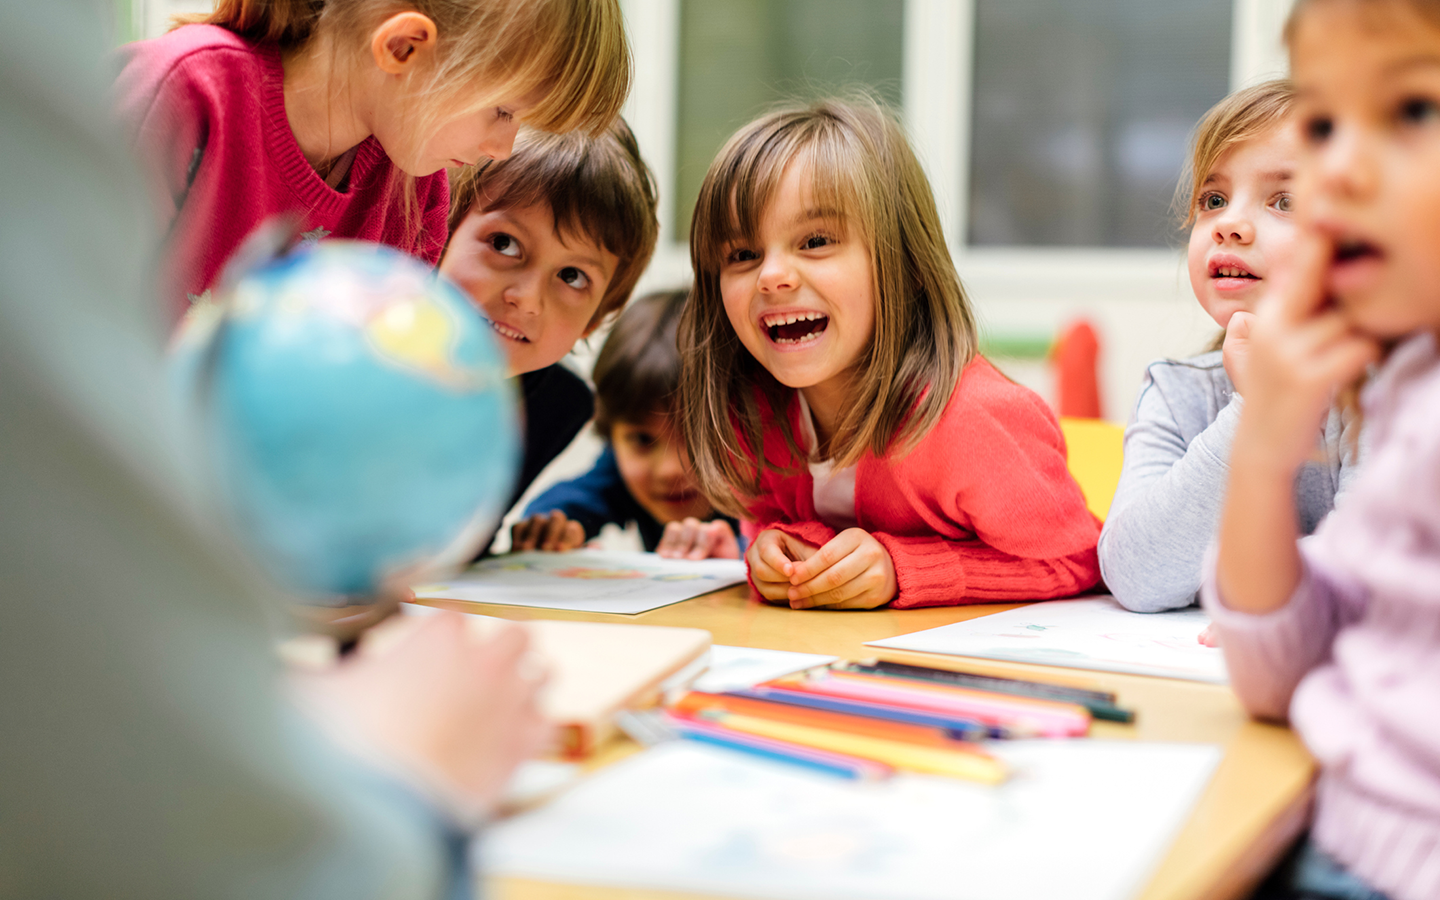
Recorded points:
(852, 571)
(458, 711)
(1300, 351)
(767, 557)
(1236, 350)
(552, 532)
(694, 539)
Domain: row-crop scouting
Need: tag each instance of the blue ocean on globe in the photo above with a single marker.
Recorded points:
(361, 423)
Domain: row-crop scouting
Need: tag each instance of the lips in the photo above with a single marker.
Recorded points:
(793, 328)
(507, 332)
(1225, 265)
(1357, 263)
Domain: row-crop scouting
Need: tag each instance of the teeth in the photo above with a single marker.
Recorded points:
(1232, 272)
(507, 331)
(791, 318)
(813, 336)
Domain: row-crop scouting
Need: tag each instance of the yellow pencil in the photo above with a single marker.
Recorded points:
(971, 765)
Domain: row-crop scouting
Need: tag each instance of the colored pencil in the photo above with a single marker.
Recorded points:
(1100, 703)
(701, 704)
(971, 765)
(1047, 718)
(961, 727)
(815, 759)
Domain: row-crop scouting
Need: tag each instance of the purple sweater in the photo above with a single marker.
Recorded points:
(1354, 657)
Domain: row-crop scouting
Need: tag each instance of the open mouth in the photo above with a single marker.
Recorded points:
(792, 329)
(506, 331)
(1227, 266)
(1351, 251)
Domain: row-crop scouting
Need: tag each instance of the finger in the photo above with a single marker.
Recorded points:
(834, 550)
(719, 541)
(690, 538)
(1344, 361)
(574, 535)
(845, 570)
(554, 530)
(774, 558)
(1302, 286)
(669, 541)
(867, 600)
(522, 536)
(1239, 327)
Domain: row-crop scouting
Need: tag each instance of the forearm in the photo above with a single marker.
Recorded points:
(933, 571)
(1258, 566)
(1165, 513)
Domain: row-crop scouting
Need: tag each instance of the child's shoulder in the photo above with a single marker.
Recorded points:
(191, 52)
(986, 407)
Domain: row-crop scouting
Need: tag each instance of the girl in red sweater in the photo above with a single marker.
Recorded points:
(347, 112)
(828, 329)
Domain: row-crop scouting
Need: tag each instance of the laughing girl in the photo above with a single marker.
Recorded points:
(828, 328)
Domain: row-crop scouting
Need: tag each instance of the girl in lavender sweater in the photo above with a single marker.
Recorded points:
(1341, 631)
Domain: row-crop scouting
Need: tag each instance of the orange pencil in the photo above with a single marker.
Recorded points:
(696, 703)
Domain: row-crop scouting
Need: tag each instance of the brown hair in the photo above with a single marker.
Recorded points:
(638, 369)
(1240, 117)
(863, 169)
(594, 186)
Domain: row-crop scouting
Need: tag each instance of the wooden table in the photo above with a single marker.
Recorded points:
(1256, 803)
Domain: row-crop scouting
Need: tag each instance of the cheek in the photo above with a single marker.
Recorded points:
(1276, 241)
(634, 470)
(1195, 258)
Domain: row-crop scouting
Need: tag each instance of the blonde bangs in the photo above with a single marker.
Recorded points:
(1243, 116)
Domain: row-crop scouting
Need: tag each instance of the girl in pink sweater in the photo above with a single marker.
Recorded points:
(347, 112)
(1341, 631)
(831, 391)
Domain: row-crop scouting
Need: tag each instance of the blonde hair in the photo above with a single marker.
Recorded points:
(862, 168)
(1240, 117)
(597, 186)
(573, 52)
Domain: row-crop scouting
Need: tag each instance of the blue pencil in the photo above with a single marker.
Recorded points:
(805, 757)
(963, 729)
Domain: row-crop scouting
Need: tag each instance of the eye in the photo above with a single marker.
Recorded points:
(1284, 203)
(1317, 129)
(504, 244)
(1211, 201)
(503, 114)
(1418, 110)
(741, 255)
(641, 440)
(816, 241)
(575, 278)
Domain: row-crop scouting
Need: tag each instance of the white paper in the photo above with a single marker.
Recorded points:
(587, 581)
(1087, 633)
(741, 668)
(1082, 820)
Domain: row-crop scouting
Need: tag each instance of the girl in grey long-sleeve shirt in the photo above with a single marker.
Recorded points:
(1167, 506)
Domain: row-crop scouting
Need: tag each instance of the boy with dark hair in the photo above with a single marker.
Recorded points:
(549, 243)
(644, 475)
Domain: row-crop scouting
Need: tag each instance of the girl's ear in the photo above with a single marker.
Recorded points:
(400, 42)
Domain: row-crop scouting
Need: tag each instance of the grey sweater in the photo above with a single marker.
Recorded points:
(1177, 450)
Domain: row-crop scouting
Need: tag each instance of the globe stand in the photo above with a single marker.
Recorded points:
(346, 624)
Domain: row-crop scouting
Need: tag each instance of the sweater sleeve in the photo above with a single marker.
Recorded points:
(166, 119)
(1268, 654)
(1167, 505)
(593, 499)
(1002, 471)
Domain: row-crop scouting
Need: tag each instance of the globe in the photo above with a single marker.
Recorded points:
(358, 414)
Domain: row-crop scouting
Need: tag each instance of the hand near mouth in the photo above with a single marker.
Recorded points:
(1301, 350)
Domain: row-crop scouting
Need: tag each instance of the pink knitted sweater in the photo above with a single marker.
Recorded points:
(1354, 657)
(206, 111)
(981, 509)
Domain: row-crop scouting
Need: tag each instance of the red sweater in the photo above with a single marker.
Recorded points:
(206, 112)
(981, 509)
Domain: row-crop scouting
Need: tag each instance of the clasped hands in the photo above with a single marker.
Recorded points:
(851, 571)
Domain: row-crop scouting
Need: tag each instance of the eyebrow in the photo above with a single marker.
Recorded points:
(1418, 61)
(810, 215)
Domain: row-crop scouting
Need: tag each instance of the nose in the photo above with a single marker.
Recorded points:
(1345, 166)
(777, 274)
(1234, 226)
(671, 467)
(523, 294)
(499, 139)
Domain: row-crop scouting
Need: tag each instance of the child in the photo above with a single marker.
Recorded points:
(1167, 505)
(831, 389)
(346, 113)
(1341, 631)
(549, 243)
(644, 475)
